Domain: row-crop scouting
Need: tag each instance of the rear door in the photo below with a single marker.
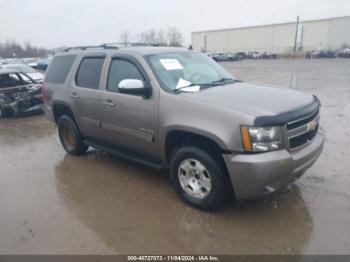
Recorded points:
(128, 120)
(85, 94)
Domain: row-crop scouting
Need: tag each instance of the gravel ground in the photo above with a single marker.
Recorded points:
(53, 203)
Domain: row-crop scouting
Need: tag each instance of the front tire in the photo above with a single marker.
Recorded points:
(199, 178)
(70, 136)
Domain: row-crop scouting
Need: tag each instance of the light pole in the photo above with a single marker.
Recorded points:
(296, 37)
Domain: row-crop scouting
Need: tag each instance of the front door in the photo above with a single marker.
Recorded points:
(128, 120)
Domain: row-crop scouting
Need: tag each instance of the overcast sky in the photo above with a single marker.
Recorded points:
(53, 23)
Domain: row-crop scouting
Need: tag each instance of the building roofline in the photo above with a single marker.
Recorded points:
(265, 25)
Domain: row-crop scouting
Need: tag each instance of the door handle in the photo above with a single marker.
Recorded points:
(74, 95)
(108, 103)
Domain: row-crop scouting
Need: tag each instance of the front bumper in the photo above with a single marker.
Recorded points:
(257, 175)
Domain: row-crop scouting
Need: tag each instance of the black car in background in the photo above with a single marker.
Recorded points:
(321, 54)
(241, 55)
(19, 94)
(328, 54)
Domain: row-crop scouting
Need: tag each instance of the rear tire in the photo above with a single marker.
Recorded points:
(199, 178)
(70, 136)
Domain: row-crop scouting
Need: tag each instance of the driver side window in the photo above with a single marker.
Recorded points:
(121, 69)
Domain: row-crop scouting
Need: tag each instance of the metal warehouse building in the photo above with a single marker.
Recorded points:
(330, 33)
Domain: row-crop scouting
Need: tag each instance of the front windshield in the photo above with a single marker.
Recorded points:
(180, 69)
(26, 80)
(22, 68)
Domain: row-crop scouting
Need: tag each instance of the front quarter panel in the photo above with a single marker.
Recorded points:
(220, 124)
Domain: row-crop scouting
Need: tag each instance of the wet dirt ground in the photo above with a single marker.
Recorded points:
(53, 203)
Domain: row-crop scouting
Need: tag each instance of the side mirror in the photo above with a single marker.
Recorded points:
(133, 86)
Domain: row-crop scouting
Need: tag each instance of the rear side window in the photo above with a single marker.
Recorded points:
(59, 69)
(89, 72)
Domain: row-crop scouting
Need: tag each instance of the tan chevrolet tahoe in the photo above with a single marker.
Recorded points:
(178, 110)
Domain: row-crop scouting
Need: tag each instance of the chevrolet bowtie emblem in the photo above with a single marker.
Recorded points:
(312, 125)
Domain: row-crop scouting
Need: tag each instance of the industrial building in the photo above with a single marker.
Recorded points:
(330, 33)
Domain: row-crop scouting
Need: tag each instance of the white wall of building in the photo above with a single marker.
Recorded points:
(247, 38)
(279, 38)
(283, 38)
(339, 32)
(315, 35)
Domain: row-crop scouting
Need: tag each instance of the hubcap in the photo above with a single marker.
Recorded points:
(194, 178)
(68, 136)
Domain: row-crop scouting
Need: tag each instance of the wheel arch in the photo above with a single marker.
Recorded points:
(60, 109)
(178, 136)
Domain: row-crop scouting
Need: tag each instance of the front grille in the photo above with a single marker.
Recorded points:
(301, 131)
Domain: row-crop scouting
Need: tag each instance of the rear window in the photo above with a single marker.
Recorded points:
(89, 72)
(59, 69)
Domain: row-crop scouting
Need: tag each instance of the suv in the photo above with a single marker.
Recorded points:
(175, 109)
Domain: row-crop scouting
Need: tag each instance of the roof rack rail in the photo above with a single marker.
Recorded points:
(89, 47)
(127, 44)
(108, 46)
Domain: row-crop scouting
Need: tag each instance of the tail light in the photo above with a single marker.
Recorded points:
(44, 92)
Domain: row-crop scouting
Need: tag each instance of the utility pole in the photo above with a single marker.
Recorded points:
(296, 37)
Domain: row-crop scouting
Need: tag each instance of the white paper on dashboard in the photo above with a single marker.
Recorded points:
(171, 64)
(184, 85)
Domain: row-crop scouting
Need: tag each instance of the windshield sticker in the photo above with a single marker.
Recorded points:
(171, 64)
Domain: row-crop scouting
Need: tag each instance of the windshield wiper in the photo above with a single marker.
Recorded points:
(184, 87)
(206, 85)
(223, 80)
(194, 84)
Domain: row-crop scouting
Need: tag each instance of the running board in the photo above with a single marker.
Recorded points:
(129, 155)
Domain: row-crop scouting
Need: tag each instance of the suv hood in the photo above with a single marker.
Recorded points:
(255, 100)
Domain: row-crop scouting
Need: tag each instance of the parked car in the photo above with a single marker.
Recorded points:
(232, 56)
(313, 54)
(34, 64)
(178, 110)
(32, 73)
(19, 94)
(344, 53)
(225, 56)
(219, 57)
(43, 64)
(269, 55)
(328, 54)
(254, 55)
(241, 55)
(40, 64)
(321, 54)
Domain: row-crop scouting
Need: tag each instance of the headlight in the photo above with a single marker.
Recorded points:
(261, 139)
